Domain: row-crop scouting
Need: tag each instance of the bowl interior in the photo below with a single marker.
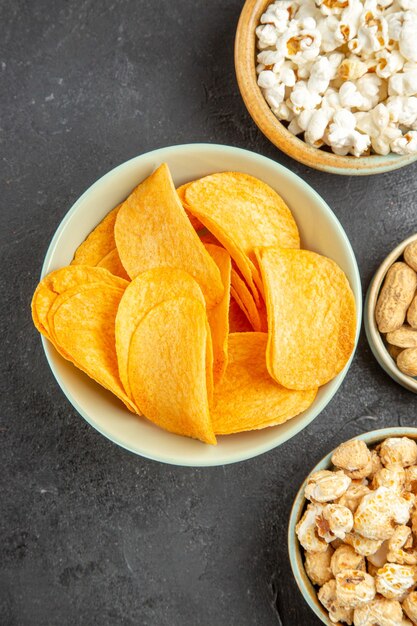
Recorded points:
(306, 587)
(320, 231)
(374, 337)
(277, 133)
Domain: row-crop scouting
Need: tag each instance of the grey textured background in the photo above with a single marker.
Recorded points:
(91, 534)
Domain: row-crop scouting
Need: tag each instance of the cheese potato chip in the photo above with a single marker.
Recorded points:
(195, 222)
(218, 316)
(247, 397)
(146, 291)
(167, 368)
(244, 297)
(311, 317)
(100, 247)
(238, 322)
(82, 321)
(152, 230)
(243, 213)
(55, 283)
(113, 263)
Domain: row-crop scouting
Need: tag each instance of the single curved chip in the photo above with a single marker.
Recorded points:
(82, 321)
(218, 316)
(195, 222)
(243, 213)
(311, 317)
(167, 368)
(238, 322)
(113, 263)
(152, 230)
(55, 283)
(244, 297)
(99, 249)
(247, 397)
(145, 292)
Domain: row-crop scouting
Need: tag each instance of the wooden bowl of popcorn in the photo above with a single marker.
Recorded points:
(391, 314)
(330, 83)
(352, 531)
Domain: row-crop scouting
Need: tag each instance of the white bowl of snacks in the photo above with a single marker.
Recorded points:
(391, 314)
(332, 83)
(351, 532)
(150, 340)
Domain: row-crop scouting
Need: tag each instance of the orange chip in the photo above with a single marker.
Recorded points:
(167, 368)
(100, 247)
(55, 283)
(113, 263)
(243, 213)
(244, 297)
(311, 317)
(152, 230)
(145, 292)
(218, 316)
(82, 322)
(238, 322)
(195, 222)
(248, 398)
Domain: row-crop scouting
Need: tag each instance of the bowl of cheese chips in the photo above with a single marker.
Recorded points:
(199, 305)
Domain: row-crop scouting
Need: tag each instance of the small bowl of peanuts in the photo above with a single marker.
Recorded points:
(391, 314)
(353, 532)
(332, 83)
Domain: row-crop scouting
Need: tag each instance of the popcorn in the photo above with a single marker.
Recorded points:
(398, 450)
(343, 138)
(410, 606)
(369, 87)
(373, 568)
(380, 557)
(317, 566)
(325, 486)
(407, 40)
(394, 581)
(411, 479)
(380, 611)
(316, 125)
(352, 69)
(378, 511)
(354, 494)
(327, 56)
(320, 75)
(306, 530)
(403, 110)
(354, 588)
(344, 558)
(302, 98)
(407, 144)
(392, 477)
(354, 458)
(334, 522)
(389, 63)
(400, 547)
(363, 545)
(403, 84)
(328, 598)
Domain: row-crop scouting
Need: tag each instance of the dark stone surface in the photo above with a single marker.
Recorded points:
(91, 534)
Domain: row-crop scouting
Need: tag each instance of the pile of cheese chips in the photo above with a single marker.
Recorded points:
(197, 308)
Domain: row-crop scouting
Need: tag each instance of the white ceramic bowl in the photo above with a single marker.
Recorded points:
(320, 231)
